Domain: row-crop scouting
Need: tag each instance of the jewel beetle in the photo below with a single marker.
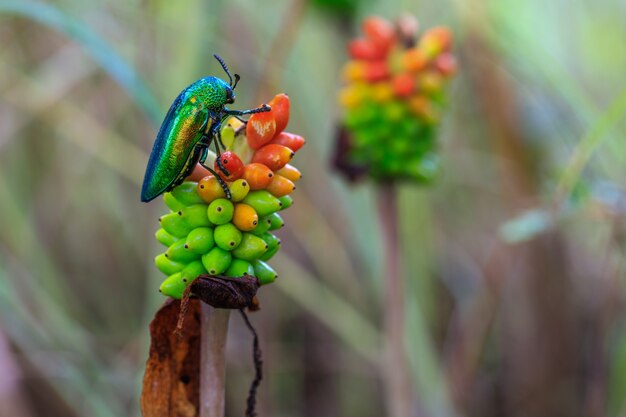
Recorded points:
(191, 125)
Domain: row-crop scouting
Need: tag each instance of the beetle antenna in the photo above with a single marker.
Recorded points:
(237, 78)
(221, 61)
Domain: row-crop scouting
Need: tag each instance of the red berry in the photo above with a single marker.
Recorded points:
(446, 64)
(273, 156)
(376, 71)
(366, 50)
(290, 140)
(280, 108)
(231, 162)
(379, 31)
(260, 129)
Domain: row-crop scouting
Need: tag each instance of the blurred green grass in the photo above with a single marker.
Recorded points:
(83, 87)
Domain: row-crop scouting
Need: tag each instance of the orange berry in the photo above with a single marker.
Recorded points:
(403, 84)
(354, 71)
(273, 156)
(257, 175)
(414, 60)
(290, 172)
(209, 189)
(280, 186)
(260, 129)
(245, 217)
(290, 140)
(280, 108)
(422, 108)
(435, 41)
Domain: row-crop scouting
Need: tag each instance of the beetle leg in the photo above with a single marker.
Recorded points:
(203, 156)
(261, 109)
(217, 140)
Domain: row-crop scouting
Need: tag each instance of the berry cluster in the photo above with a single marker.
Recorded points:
(207, 233)
(393, 99)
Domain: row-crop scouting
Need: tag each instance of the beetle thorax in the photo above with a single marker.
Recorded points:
(210, 93)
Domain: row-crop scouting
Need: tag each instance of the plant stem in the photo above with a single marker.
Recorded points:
(213, 361)
(398, 387)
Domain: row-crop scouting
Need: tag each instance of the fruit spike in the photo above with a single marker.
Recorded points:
(207, 233)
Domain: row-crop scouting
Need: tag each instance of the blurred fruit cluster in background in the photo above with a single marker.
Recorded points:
(513, 258)
(394, 100)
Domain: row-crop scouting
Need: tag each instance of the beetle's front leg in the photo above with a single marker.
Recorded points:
(261, 109)
(205, 152)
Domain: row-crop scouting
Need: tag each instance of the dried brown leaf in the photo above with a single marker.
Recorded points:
(171, 380)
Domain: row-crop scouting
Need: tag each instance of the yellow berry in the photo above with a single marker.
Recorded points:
(382, 92)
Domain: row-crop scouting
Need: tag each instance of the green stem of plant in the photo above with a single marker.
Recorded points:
(398, 386)
(213, 361)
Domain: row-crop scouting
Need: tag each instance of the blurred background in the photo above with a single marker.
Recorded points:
(513, 259)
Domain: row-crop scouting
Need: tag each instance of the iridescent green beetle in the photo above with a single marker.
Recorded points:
(191, 125)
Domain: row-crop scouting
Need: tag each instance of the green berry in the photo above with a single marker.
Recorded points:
(263, 226)
(286, 200)
(273, 245)
(216, 261)
(173, 286)
(220, 211)
(250, 248)
(239, 190)
(168, 266)
(175, 225)
(200, 240)
(264, 273)
(262, 202)
(164, 238)
(276, 222)
(227, 236)
(192, 271)
(195, 216)
(186, 193)
(172, 203)
(239, 268)
(177, 252)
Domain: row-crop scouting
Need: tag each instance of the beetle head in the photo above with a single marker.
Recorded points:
(230, 95)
